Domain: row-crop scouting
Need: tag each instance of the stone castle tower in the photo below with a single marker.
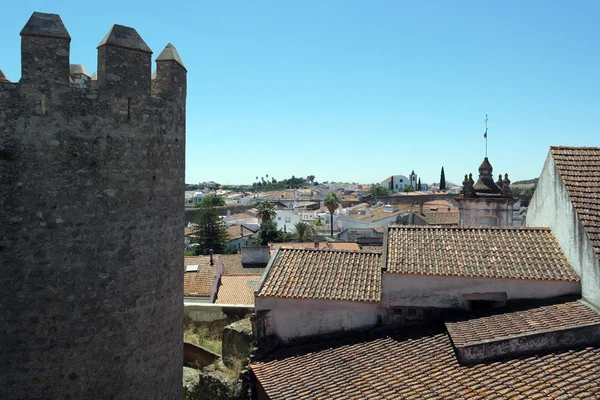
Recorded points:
(91, 221)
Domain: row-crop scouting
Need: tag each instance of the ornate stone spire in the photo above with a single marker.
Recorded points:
(485, 183)
(468, 190)
(506, 186)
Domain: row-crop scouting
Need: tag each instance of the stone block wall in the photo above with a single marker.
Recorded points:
(91, 222)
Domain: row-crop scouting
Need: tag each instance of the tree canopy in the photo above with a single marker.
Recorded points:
(442, 180)
(266, 210)
(274, 184)
(211, 200)
(332, 202)
(210, 232)
(304, 232)
(378, 190)
(408, 188)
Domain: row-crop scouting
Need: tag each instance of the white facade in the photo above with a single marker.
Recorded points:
(407, 290)
(396, 183)
(551, 206)
(292, 318)
(287, 218)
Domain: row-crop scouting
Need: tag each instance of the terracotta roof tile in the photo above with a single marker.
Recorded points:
(200, 282)
(419, 363)
(234, 232)
(325, 274)
(530, 321)
(489, 252)
(232, 265)
(237, 289)
(579, 168)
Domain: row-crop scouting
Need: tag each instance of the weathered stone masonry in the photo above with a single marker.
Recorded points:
(91, 221)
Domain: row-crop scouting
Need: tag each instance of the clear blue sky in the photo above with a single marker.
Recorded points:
(358, 90)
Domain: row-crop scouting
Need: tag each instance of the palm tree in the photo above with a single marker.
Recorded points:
(303, 231)
(332, 202)
(266, 210)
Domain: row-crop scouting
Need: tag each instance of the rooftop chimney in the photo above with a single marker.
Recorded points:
(211, 257)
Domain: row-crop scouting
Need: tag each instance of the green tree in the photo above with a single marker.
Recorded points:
(211, 200)
(332, 202)
(266, 210)
(419, 185)
(442, 180)
(378, 190)
(267, 233)
(408, 188)
(303, 232)
(210, 232)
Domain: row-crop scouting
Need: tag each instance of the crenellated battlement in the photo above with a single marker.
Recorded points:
(123, 70)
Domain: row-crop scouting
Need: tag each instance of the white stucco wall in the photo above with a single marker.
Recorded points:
(447, 291)
(287, 219)
(292, 318)
(551, 206)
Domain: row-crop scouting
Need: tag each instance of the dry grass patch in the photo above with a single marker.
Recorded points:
(207, 334)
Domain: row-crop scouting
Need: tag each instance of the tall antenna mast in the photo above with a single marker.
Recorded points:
(485, 134)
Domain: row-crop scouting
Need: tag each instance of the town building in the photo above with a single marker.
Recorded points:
(567, 200)
(464, 312)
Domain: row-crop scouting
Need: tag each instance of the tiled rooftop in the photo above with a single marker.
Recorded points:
(200, 282)
(232, 265)
(235, 232)
(419, 363)
(489, 252)
(324, 274)
(377, 213)
(523, 322)
(322, 245)
(237, 289)
(579, 168)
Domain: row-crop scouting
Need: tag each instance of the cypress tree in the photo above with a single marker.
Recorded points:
(419, 185)
(442, 180)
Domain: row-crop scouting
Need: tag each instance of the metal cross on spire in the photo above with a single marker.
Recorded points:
(485, 134)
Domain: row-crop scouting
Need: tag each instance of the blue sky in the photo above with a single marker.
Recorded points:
(357, 90)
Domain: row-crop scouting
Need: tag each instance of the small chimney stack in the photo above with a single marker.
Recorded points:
(316, 244)
(211, 257)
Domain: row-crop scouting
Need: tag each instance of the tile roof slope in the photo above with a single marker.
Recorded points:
(579, 168)
(232, 265)
(549, 317)
(237, 289)
(419, 363)
(199, 283)
(234, 232)
(325, 274)
(489, 252)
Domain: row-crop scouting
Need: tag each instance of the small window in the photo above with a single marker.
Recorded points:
(191, 268)
(288, 219)
(412, 312)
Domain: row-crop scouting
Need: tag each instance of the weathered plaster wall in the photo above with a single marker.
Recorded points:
(447, 291)
(551, 206)
(91, 224)
(472, 211)
(293, 318)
